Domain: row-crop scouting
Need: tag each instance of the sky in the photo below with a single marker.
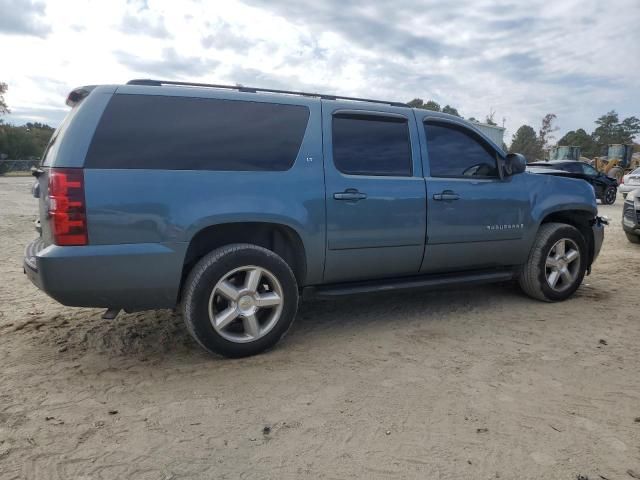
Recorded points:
(519, 59)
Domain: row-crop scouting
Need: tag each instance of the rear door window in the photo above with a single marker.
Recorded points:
(371, 145)
(187, 133)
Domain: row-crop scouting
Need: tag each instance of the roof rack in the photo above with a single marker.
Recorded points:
(240, 88)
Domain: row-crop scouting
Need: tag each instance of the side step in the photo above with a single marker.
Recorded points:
(403, 283)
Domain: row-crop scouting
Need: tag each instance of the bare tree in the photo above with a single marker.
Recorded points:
(3, 104)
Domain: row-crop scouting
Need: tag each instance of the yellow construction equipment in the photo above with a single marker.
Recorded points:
(618, 162)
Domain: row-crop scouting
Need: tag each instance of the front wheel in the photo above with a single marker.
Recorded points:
(239, 300)
(609, 197)
(556, 264)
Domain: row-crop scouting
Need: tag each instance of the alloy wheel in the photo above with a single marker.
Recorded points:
(246, 304)
(562, 266)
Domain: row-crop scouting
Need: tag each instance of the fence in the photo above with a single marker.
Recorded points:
(23, 166)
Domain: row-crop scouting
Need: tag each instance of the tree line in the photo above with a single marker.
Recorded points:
(610, 129)
(22, 142)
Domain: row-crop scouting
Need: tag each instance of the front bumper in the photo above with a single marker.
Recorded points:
(131, 276)
(626, 188)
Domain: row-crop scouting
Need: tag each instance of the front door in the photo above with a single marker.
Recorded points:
(475, 218)
(375, 192)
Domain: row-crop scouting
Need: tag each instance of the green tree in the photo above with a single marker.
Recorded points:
(432, 105)
(416, 103)
(3, 104)
(24, 142)
(451, 111)
(580, 138)
(526, 142)
(611, 130)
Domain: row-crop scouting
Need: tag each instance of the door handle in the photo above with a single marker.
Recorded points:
(350, 194)
(446, 195)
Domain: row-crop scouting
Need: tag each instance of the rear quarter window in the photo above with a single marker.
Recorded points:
(51, 150)
(187, 133)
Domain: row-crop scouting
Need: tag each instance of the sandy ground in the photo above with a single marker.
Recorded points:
(479, 383)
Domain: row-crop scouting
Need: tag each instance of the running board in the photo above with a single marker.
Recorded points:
(403, 283)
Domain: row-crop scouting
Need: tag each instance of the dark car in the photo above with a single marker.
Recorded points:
(606, 187)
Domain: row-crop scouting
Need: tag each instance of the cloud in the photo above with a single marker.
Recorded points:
(385, 27)
(23, 17)
(138, 25)
(520, 59)
(223, 35)
(50, 115)
(169, 66)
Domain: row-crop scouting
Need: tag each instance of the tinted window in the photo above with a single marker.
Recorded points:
(371, 145)
(182, 133)
(589, 170)
(571, 167)
(50, 152)
(457, 152)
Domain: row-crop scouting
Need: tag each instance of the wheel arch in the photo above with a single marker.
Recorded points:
(582, 220)
(277, 237)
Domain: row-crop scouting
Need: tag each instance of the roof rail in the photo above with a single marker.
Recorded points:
(240, 88)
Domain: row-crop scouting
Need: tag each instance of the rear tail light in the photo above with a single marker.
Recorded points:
(67, 206)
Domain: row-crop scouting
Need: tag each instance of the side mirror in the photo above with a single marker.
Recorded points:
(514, 163)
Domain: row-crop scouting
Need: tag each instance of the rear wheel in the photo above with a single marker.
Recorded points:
(633, 238)
(556, 264)
(609, 196)
(239, 300)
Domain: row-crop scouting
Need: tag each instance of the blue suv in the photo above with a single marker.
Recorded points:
(235, 202)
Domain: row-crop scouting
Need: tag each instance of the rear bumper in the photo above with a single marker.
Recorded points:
(131, 276)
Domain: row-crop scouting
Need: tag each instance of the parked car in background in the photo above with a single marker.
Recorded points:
(606, 188)
(631, 216)
(630, 182)
(236, 202)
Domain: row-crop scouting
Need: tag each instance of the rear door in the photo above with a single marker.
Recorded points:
(375, 193)
(475, 218)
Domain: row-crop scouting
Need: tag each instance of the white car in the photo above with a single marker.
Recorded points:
(629, 182)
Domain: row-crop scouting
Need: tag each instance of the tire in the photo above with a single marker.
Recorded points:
(633, 238)
(609, 196)
(220, 287)
(533, 278)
